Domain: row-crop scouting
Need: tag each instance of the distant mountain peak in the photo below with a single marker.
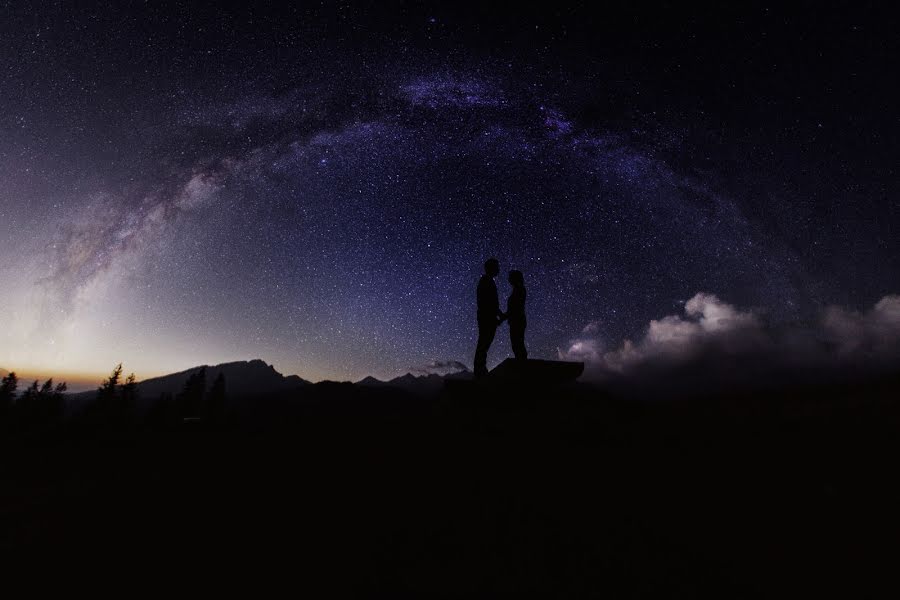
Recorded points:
(242, 378)
(416, 381)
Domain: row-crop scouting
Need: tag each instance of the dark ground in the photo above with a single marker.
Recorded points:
(562, 493)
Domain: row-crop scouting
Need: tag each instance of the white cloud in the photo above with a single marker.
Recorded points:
(720, 329)
(873, 333)
(591, 328)
(674, 337)
(439, 367)
(586, 350)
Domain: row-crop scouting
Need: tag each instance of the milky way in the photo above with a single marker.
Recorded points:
(320, 190)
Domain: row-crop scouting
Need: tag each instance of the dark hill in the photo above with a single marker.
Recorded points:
(242, 379)
(427, 384)
(489, 489)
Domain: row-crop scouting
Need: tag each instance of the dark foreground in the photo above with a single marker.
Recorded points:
(558, 493)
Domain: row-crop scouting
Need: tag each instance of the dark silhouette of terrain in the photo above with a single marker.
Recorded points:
(38, 405)
(534, 372)
(245, 379)
(489, 488)
(427, 384)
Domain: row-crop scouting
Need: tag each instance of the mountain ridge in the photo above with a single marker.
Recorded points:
(242, 378)
(255, 377)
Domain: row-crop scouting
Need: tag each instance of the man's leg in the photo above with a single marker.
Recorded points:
(485, 338)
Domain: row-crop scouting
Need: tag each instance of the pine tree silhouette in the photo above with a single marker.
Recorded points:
(106, 393)
(115, 404)
(7, 394)
(163, 414)
(191, 397)
(40, 406)
(215, 400)
(129, 395)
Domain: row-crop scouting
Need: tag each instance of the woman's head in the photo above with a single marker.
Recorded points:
(516, 278)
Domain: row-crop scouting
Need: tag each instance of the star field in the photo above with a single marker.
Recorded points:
(320, 187)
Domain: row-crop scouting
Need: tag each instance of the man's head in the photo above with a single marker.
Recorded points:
(492, 267)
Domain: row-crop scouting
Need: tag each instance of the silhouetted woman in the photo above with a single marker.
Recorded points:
(515, 314)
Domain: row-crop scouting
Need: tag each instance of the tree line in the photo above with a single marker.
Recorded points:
(116, 403)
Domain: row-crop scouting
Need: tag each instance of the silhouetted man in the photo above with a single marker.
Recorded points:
(489, 315)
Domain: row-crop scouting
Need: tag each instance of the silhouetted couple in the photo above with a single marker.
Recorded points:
(490, 316)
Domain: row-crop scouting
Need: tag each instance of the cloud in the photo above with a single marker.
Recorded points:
(592, 327)
(588, 350)
(587, 347)
(706, 320)
(439, 367)
(873, 334)
(713, 331)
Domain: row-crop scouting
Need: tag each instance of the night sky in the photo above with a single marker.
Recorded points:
(319, 187)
